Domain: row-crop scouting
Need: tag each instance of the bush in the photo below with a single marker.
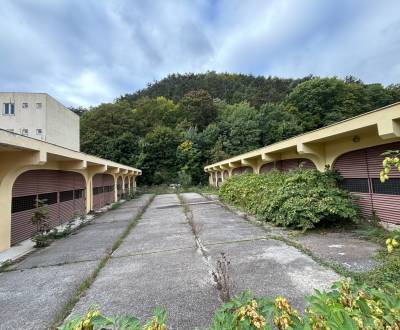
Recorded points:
(298, 199)
(94, 320)
(346, 306)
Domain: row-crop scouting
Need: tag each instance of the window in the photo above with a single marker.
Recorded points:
(9, 109)
(49, 198)
(24, 131)
(389, 187)
(24, 105)
(66, 195)
(78, 193)
(23, 203)
(39, 131)
(108, 188)
(39, 105)
(355, 185)
(97, 190)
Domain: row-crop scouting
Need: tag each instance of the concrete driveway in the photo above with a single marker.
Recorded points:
(158, 264)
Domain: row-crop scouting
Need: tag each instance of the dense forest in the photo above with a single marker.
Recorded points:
(175, 126)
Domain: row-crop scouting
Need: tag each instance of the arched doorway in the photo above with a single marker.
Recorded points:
(119, 187)
(64, 193)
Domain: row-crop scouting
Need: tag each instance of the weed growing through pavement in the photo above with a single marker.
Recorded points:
(222, 278)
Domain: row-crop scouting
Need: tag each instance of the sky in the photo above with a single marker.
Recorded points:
(86, 52)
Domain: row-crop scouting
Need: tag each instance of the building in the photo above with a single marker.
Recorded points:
(41, 117)
(353, 147)
(70, 181)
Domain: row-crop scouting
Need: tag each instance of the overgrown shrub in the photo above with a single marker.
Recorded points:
(346, 306)
(40, 219)
(299, 198)
(94, 320)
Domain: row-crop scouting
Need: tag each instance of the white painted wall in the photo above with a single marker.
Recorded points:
(59, 125)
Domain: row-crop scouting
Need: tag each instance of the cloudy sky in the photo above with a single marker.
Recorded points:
(84, 52)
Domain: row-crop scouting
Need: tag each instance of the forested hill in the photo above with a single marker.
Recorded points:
(230, 87)
(174, 127)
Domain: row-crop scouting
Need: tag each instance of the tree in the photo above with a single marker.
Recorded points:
(198, 108)
(241, 124)
(277, 123)
(157, 157)
(322, 101)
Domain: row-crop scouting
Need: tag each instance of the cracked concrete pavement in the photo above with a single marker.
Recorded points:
(36, 289)
(159, 263)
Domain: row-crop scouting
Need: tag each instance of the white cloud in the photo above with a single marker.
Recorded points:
(92, 51)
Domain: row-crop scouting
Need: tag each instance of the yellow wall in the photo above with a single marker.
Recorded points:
(19, 154)
(324, 145)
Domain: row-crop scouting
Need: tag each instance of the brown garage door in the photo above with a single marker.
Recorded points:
(64, 193)
(103, 190)
(360, 170)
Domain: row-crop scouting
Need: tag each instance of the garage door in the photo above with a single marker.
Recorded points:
(103, 190)
(360, 170)
(63, 192)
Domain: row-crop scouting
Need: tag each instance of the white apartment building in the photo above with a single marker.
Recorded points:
(39, 116)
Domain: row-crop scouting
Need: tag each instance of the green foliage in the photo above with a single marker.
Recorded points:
(40, 219)
(322, 101)
(157, 155)
(391, 160)
(386, 273)
(94, 320)
(300, 198)
(222, 115)
(347, 306)
(198, 108)
(243, 312)
(233, 88)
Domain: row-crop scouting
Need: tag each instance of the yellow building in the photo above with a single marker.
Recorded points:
(69, 181)
(353, 147)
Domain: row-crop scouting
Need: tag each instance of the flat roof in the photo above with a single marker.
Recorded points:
(326, 133)
(10, 141)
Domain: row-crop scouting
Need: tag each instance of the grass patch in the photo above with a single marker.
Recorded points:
(66, 310)
(115, 206)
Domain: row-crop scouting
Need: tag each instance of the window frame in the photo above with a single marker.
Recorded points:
(10, 109)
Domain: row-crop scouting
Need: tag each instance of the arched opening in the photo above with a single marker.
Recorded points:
(360, 170)
(226, 175)
(64, 193)
(103, 190)
(242, 170)
(219, 179)
(126, 183)
(288, 165)
(119, 187)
